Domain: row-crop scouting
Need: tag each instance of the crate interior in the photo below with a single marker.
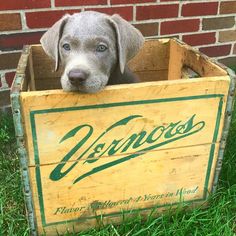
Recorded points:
(159, 60)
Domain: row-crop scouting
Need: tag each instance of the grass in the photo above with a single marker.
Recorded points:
(12, 214)
(218, 219)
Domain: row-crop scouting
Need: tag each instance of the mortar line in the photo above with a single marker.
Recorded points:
(134, 14)
(23, 21)
(52, 4)
(108, 6)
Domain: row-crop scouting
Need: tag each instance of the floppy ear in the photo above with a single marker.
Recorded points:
(129, 40)
(50, 39)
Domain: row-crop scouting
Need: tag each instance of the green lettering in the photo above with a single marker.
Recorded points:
(57, 173)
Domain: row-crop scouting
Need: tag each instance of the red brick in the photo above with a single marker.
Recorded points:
(199, 39)
(9, 76)
(79, 2)
(227, 36)
(228, 7)
(16, 41)
(229, 61)
(10, 22)
(4, 97)
(125, 12)
(24, 4)
(43, 19)
(180, 26)
(218, 23)
(157, 12)
(9, 60)
(130, 1)
(148, 29)
(216, 51)
(199, 9)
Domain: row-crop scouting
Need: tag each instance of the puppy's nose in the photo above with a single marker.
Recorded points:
(77, 76)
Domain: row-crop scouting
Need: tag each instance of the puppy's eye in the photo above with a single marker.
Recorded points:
(101, 48)
(66, 46)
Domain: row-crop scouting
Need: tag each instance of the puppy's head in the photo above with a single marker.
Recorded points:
(89, 46)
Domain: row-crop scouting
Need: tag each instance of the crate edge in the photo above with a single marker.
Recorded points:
(228, 112)
(20, 134)
(227, 122)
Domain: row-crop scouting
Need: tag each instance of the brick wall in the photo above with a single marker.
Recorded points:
(207, 25)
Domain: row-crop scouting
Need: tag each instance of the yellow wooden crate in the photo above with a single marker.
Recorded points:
(92, 158)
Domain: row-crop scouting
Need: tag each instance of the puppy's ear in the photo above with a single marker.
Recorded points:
(50, 39)
(129, 40)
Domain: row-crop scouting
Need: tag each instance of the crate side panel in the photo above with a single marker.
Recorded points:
(183, 55)
(142, 98)
(153, 56)
(155, 178)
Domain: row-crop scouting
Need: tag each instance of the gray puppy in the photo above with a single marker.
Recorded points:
(93, 49)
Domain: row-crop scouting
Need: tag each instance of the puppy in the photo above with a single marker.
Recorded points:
(93, 49)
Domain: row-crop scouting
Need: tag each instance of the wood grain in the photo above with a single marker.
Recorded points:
(153, 179)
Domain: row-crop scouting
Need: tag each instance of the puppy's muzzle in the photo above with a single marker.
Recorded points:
(77, 77)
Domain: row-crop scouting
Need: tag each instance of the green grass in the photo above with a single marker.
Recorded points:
(218, 219)
(12, 212)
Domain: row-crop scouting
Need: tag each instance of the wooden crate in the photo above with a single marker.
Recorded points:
(92, 159)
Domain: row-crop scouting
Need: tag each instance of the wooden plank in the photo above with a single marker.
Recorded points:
(175, 61)
(21, 67)
(184, 55)
(24, 86)
(32, 74)
(47, 83)
(31, 71)
(153, 56)
(144, 76)
(43, 65)
(22, 75)
(178, 173)
(156, 75)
